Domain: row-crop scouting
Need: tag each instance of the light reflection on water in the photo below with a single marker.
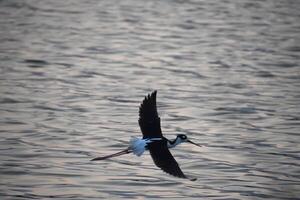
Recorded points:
(73, 75)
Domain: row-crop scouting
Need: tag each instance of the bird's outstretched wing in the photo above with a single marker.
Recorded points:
(149, 120)
(163, 158)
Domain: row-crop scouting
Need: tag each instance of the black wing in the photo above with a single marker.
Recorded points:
(149, 120)
(164, 159)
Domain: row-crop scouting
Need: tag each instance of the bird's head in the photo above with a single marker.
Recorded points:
(183, 138)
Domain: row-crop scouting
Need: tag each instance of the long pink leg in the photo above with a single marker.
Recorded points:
(126, 151)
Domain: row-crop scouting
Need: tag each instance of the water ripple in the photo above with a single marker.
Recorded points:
(73, 75)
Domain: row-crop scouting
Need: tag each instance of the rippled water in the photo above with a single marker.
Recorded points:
(73, 74)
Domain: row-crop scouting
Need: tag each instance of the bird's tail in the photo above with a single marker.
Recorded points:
(126, 151)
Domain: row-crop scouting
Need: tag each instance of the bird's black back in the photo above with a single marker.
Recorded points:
(163, 158)
(149, 120)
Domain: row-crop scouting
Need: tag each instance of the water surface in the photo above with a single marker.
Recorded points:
(73, 75)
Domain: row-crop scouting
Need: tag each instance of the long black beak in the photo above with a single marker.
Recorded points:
(194, 143)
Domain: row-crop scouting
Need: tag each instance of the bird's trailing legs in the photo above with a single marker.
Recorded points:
(126, 151)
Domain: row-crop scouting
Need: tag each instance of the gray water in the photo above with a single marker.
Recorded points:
(73, 74)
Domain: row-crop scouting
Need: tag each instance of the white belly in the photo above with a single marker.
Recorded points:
(138, 146)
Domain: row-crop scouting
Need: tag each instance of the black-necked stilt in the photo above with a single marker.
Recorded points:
(153, 140)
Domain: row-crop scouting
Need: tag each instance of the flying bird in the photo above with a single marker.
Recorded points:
(153, 140)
